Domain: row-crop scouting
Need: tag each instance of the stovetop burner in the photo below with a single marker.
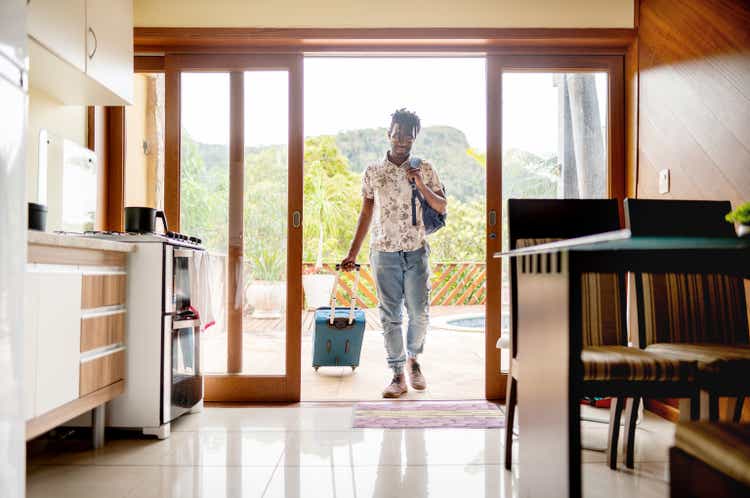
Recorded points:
(140, 237)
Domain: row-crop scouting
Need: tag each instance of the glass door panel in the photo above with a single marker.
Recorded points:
(265, 213)
(204, 192)
(554, 144)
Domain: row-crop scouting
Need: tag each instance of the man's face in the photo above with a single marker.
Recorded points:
(401, 140)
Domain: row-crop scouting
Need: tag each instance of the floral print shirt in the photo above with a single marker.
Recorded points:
(386, 183)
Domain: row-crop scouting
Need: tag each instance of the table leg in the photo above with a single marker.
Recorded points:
(549, 413)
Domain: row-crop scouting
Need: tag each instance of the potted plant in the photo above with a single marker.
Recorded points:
(741, 216)
(266, 289)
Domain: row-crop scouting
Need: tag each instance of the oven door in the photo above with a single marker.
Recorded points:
(186, 379)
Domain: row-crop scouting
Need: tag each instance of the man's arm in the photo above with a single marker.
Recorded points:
(363, 224)
(436, 200)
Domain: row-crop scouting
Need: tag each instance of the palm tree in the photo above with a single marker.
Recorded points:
(323, 205)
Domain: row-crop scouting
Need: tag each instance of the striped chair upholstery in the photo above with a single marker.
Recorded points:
(605, 355)
(601, 312)
(694, 308)
(623, 363)
(702, 318)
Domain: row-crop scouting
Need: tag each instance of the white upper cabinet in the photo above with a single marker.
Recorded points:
(81, 51)
(109, 44)
(60, 27)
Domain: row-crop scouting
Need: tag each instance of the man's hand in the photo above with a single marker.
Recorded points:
(349, 262)
(415, 174)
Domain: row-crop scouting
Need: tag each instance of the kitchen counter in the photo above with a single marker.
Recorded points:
(78, 242)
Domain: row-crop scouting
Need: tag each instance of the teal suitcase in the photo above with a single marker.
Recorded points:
(337, 339)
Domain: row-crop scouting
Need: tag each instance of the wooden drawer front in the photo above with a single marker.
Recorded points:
(100, 331)
(103, 290)
(102, 371)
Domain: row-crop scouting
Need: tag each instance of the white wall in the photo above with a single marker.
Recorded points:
(385, 13)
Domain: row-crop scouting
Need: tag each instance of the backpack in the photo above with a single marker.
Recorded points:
(432, 220)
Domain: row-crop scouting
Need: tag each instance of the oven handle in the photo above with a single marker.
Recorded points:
(183, 253)
(185, 324)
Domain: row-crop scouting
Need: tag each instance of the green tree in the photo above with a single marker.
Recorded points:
(331, 192)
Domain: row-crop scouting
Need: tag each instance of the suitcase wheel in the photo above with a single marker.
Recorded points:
(316, 367)
(353, 368)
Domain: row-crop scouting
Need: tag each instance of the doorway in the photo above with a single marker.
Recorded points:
(348, 107)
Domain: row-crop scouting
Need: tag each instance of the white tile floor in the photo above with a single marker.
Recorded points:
(310, 450)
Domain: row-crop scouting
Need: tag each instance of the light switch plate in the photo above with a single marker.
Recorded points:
(664, 181)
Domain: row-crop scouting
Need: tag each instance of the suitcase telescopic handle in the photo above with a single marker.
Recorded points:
(332, 313)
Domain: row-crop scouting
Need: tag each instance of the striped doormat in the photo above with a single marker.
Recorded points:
(428, 414)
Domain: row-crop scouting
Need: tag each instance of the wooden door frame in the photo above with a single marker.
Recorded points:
(613, 65)
(494, 44)
(234, 385)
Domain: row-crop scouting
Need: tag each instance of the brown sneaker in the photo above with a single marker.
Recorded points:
(396, 388)
(416, 379)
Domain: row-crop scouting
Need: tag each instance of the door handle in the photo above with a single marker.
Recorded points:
(96, 43)
(492, 217)
(296, 219)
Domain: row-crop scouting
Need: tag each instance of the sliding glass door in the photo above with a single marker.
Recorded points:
(234, 141)
(555, 130)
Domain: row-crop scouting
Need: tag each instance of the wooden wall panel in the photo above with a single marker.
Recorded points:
(694, 98)
(694, 105)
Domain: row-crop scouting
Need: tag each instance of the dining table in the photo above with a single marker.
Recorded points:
(549, 324)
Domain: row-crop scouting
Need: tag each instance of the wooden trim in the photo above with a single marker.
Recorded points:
(306, 40)
(294, 235)
(231, 62)
(116, 147)
(56, 255)
(172, 131)
(495, 382)
(250, 388)
(101, 331)
(101, 372)
(617, 132)
(51, 419)
(103, 290)
(236, 217)
(148, 64)
(632, 116)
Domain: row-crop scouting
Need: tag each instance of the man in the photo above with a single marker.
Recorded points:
(399, 254)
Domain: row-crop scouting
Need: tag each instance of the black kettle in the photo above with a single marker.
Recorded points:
(143, 219)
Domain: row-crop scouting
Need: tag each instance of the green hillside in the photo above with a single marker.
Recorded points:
(443, 146)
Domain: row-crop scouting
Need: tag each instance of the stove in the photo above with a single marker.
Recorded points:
(173, 238)
(162, 331)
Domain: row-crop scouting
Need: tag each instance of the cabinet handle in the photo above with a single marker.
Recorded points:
(96, 43)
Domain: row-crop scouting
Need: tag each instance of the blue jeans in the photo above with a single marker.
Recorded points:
(402, 278)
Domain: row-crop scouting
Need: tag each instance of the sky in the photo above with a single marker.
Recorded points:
(347, 93)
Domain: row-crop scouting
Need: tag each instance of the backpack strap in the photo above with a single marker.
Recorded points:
(414, 162)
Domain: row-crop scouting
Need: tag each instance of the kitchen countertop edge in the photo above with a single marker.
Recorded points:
(64, 240)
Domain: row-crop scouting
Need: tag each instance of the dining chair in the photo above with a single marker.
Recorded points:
(700, 317)
(610, 367)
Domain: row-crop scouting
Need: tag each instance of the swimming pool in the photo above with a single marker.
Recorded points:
(465, 323)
